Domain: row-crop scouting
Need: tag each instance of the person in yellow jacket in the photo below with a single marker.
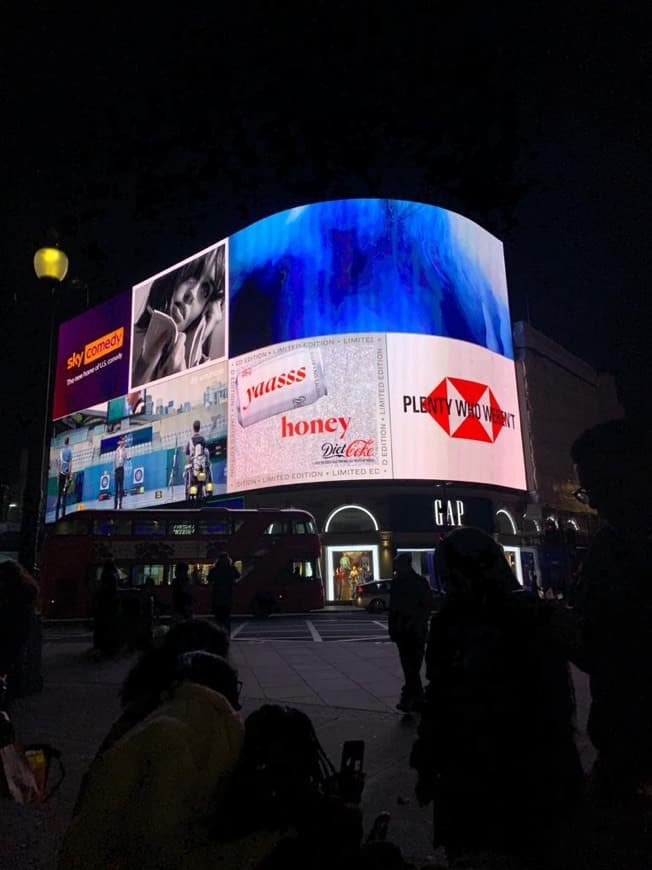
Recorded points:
(146, 797)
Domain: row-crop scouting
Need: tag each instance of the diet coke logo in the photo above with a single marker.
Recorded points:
(361, 448)
(463, 409)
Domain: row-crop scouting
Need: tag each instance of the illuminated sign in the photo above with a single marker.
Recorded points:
(363, 339)
(463, 409)
(178, 319)
(449, 512)
(466, 428)
(92, 362)
(309, 411)
(364, 266)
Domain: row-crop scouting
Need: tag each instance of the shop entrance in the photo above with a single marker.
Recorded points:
(423, 562)
(348, 566)
(512, 555)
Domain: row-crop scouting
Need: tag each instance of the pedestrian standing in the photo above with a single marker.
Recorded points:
(496, 742)
(181, 592)
(19, 595)
(107, 630)
(409, 611)
(614, 605)
(221, 578)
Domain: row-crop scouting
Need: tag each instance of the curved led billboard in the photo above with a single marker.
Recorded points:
(367, 265)
(348, 340)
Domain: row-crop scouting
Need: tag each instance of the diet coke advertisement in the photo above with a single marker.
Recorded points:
(309, 411)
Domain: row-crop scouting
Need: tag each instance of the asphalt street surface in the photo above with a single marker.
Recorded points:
(338, 667)
(318, 627)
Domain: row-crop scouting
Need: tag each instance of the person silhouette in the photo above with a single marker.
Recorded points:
(495, 746)
(614, 604)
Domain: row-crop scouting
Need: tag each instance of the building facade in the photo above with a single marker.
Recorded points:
(354, 358)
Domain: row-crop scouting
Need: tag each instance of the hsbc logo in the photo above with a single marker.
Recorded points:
(463, 409)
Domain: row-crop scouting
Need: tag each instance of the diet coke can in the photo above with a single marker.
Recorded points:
(287, 381)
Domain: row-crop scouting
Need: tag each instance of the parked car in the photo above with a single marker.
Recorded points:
(374, 596)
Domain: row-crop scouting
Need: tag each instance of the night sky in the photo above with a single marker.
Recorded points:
(139, 140)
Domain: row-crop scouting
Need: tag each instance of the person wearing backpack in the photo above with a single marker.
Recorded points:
(495, 752)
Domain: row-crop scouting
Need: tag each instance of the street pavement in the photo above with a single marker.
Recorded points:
(347, 685)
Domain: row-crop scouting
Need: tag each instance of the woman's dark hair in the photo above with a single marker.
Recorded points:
(473, 566)
(284, 738)
(155, 669)
(214, 672)
(162, 288)
(281, 772)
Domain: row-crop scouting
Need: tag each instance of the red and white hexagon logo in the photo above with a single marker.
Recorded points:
(467, 409)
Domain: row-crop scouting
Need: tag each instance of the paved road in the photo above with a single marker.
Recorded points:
(357, 625)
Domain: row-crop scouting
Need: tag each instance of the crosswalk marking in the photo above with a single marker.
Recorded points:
(313, 631)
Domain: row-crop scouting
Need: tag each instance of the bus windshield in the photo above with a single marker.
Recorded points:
(276, 551)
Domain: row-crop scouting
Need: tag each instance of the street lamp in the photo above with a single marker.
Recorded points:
(51, 267)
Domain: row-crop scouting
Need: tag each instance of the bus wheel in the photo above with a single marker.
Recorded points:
(261, 607)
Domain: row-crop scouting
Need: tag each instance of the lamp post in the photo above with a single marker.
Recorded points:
(51, 267)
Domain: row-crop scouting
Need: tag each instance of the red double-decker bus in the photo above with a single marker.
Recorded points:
(276, 551)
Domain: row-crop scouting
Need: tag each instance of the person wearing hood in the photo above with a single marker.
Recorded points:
(145, 797)
(496, 753)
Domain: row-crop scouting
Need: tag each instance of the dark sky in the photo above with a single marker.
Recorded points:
(141, 139)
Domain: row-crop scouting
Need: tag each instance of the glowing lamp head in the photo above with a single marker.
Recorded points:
(50, 263)
(193, 490)
(209, 487)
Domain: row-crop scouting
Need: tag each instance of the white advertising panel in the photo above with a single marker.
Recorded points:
(454, 412)
(309, 411)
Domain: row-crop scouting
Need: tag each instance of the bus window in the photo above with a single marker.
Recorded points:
(300, 528)
(199, 574)
(95, 576)
(148, 527)
(215, 527)
(274, 529)
(72, 526)
(149, 575)
(303, 570)
(111, 526)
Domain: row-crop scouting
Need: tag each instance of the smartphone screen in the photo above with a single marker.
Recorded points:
(352, 756)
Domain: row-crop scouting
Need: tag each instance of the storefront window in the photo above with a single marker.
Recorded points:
(348, 569)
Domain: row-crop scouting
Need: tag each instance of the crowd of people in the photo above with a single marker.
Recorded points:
(181, 781)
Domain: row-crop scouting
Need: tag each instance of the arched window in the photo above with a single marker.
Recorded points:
(531, 526)
(505, 522)
(351, 518)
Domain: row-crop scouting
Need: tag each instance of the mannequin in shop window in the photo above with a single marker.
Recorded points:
(340, 577)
